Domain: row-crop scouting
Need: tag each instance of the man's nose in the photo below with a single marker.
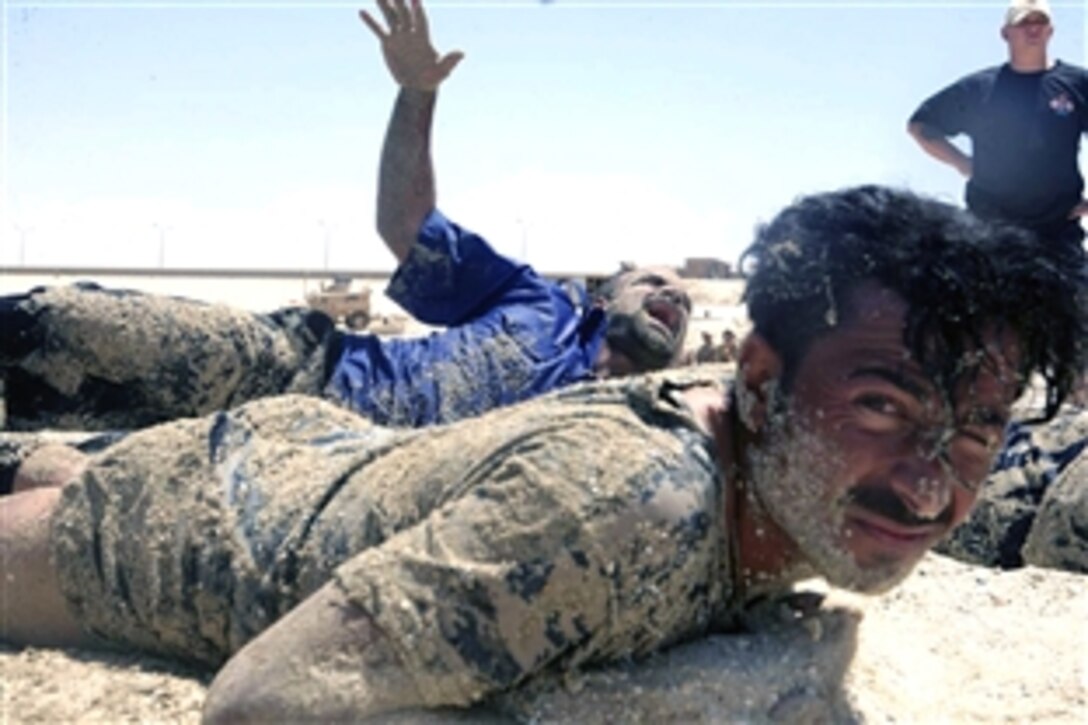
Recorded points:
(677, 296)
(924, 485)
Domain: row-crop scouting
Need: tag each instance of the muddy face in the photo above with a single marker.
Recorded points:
(648, 317)
(863, 466)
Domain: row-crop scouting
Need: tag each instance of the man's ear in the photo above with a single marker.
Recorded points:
(1005, 33)
(759, 367)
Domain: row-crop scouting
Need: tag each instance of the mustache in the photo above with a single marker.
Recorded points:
(882, 501)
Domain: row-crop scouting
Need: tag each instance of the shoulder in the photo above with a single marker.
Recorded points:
(635, 419)
(980, 79)
(975, 81)
(975, 78)
(961, 95)
(1061, 66)
(651, 395)
(1068, 72)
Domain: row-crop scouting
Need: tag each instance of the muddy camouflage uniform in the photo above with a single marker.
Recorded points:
(87, 358)
(1036, 465)
(582, 527)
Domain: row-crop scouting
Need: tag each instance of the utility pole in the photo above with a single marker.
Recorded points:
(326, 233)
(23, 231)
(162, 229)
(524, 228)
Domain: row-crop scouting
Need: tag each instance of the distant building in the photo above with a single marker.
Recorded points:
(706, 268)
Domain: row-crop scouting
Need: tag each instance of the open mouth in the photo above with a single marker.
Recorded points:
(665, 312)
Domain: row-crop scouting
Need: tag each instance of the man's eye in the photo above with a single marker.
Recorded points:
(985, 427)
(879, 404)
(986, 436)
(882, 414)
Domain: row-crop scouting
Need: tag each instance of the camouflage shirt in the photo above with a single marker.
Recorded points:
(582, 527)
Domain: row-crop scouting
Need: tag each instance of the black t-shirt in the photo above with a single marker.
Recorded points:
(1025, 133)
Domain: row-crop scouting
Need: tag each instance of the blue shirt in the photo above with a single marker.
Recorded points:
(511, 335)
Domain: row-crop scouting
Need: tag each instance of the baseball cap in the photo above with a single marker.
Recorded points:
(1020, 9)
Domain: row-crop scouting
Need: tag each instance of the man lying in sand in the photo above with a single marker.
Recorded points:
(340, 569)
(94, 359)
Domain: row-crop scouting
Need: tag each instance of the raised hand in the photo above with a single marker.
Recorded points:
(406, 45)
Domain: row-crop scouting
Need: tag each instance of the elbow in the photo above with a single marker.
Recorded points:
(397, 233)
(256, 686)
(233, 698)
(387, 225)
(219, 710)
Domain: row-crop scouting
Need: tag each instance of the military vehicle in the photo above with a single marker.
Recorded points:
(345, 305)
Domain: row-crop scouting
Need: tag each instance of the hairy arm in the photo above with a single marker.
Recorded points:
(939, 147)
(325, 661)
(406, 187)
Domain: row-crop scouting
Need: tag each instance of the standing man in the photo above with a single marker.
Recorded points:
(1025, 119)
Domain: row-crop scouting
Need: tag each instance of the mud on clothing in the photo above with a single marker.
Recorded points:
(585, 526)
(88, 358)
(511, 335)
(83, 357)
(1033, 459)
(1025, 131)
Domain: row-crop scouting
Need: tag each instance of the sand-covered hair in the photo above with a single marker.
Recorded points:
(959, 276)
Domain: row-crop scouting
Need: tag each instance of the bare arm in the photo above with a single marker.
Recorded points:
(940, 148)
(406, 190)
(325, 661)
(406, 187)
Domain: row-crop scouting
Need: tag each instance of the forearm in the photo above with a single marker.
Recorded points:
(940, 148)
(325, 661)
(406, 187)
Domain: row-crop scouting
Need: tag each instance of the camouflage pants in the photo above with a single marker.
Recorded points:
(86, 358)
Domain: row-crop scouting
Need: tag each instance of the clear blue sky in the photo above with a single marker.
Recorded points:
(575, 133)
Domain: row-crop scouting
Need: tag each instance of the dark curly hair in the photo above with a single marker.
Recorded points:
(958, 275)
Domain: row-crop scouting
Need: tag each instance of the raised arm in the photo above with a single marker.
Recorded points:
(940, 148)
(406, 188)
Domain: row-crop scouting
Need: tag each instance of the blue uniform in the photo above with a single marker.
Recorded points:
(510, 335)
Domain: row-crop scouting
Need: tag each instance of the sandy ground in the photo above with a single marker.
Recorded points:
(955, 643)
